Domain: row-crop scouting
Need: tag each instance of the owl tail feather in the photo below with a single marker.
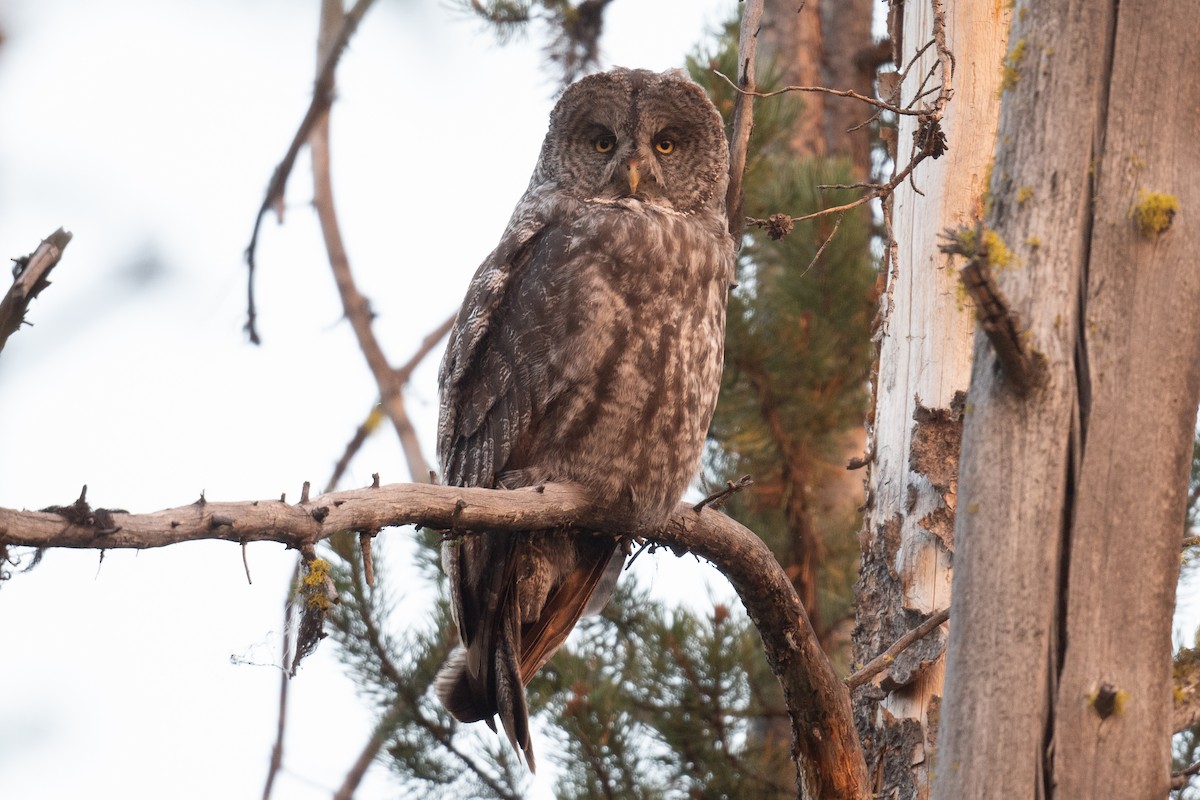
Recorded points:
(510, 696)
(454, 690)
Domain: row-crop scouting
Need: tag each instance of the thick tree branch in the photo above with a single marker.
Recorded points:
(827, 751)
(29, 279)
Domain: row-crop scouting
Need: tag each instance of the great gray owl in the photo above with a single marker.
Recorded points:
(588, 351)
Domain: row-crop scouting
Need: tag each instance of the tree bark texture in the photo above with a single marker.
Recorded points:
(922, 373)
(1058, 675)
(825, 749)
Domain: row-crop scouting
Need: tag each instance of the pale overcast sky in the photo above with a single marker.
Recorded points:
(149, 130)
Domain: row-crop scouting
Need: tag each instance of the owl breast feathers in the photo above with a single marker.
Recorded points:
(588, 351)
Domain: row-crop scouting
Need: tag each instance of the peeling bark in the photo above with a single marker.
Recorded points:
(925, 335)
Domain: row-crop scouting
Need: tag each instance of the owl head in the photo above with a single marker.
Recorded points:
(651, 136)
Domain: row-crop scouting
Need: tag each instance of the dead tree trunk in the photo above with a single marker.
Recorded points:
(1073, 494)
(923, 368)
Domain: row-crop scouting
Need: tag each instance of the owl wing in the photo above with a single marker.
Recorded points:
(499, 374)
(487, 379)
(487, 392)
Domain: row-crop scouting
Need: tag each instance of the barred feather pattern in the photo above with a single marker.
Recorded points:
(588, 350)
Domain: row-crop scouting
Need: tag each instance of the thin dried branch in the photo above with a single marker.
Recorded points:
(1180, 780)
(885, 106)
(379, 736)
(29, 279)
(361, 433)
(743, 115)
(719, 497)
(885, 659)
(319, 106)
(820, 250)
(774, 220)
(276, 762)
(404, 372)
(356, 307)
(376, 415)
(827, 753)
(933, 147)
(929, 140)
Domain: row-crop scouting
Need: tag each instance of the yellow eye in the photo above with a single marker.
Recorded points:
(604, 143)
(665, 146)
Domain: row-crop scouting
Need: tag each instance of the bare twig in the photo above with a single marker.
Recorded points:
(767, 223)
(361, 433)
(246, 564)
(376, 415)
(743, 115)
(887, 657)
(317, 108)
(404, 372)
(281, 726)
(1180, 779)
(29, 279)
(356, 307)
(829, 755)
(718, 498)
(364, 546)
(817, 256)
(895, 109)
(931, 144)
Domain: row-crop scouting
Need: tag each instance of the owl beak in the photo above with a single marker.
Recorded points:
(634, 177)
